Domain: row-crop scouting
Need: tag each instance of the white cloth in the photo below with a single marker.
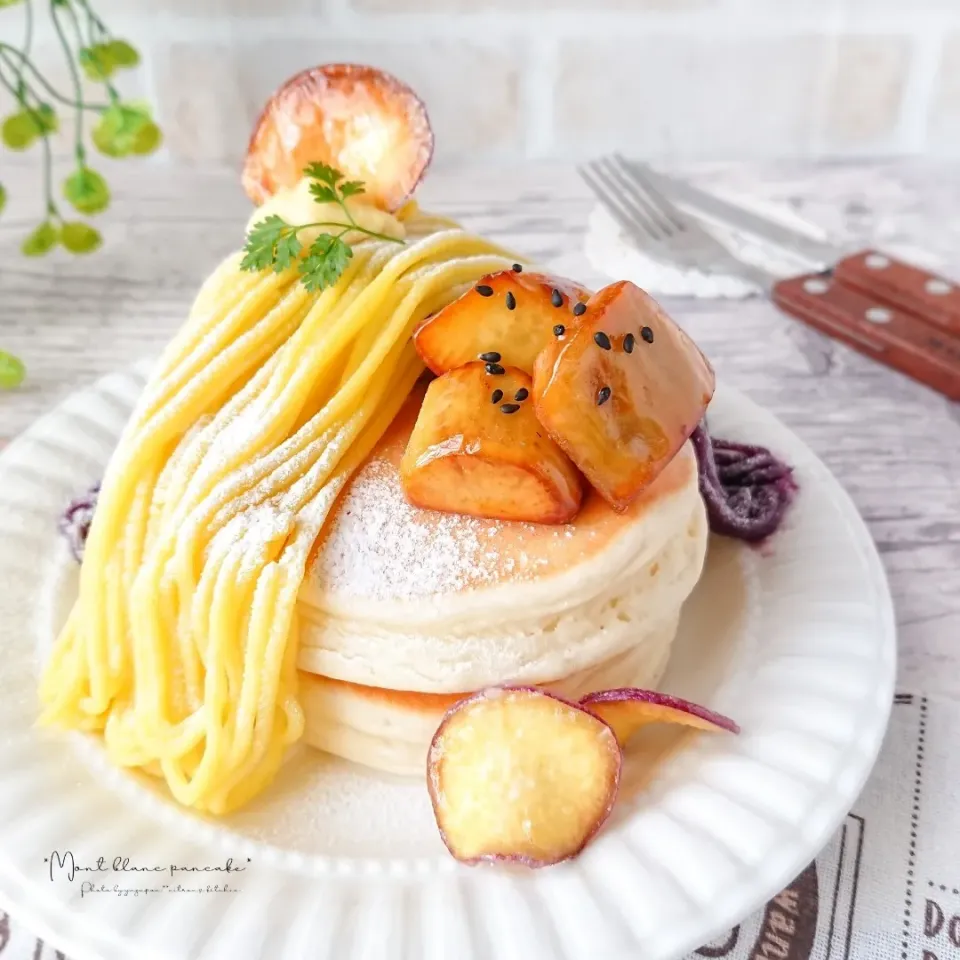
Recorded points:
(612, 254)
(886, 887)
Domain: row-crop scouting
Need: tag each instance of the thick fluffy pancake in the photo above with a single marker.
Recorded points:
(415, 600)
(392, 730)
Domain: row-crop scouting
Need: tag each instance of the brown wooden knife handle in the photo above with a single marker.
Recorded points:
(917, 291)
(877, 328)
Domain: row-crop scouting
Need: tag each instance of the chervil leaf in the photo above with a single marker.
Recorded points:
(322, 193)
(352, 188)
(260, 249)
(287, 250)
(274, 244)
(325, 262)
(324, 173)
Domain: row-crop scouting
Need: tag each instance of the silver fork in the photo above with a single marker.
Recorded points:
(657, 225)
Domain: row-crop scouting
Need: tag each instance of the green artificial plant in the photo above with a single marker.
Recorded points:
(116, 127)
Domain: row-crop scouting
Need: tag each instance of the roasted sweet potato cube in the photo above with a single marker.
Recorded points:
(478, 449)
(511, 313)
(622, 391)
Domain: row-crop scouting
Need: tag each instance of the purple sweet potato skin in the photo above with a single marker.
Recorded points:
(621, 694)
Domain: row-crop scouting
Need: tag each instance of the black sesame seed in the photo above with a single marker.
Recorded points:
(511, 301)
(628, 342)
(647, 334)
(559, 330)
(580, 309)
(509, 407)
(556, 298)
(517, 268)
(491, 356)
(494, 369)
(521, 394)
(601, 340)
(484, 290)
(603, 396)
(496, 396)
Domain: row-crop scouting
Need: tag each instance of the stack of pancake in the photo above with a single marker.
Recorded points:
(403, 611)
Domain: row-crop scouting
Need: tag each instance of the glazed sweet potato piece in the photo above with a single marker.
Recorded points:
(478, 449)
(622, 391)
(513, 313)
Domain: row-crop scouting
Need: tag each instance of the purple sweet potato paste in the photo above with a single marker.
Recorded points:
(746, 489)
(76, 519)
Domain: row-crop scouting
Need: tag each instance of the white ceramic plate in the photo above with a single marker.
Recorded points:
(795, 641)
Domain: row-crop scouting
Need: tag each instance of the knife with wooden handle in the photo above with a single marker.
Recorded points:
(897, 313)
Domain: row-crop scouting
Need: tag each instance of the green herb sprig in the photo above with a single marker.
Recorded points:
(273, 244)
(119, 129)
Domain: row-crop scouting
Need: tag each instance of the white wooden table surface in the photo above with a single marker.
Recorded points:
(893, 444)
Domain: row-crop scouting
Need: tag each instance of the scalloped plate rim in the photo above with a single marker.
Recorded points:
(68, 930)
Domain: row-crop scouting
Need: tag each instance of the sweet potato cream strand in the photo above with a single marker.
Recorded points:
(181, 647)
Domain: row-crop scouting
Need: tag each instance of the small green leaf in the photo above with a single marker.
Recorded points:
(12, 370)
(95, 62)
(8, 3)
(352, 188)
(41, 241)
(121, 53)
(147, 140)
(260, 248)
(19, 131)
(105, 141)
(87, 191)
(287, 251)
(80, 237)
(325, 262)
(45, 119)
(115, 133)
(323, 194)
(3, 197)
(323, 172)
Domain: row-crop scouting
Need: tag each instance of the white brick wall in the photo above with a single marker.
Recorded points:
(669, 79)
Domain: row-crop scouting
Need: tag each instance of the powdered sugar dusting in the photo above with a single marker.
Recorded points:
(382, 548)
